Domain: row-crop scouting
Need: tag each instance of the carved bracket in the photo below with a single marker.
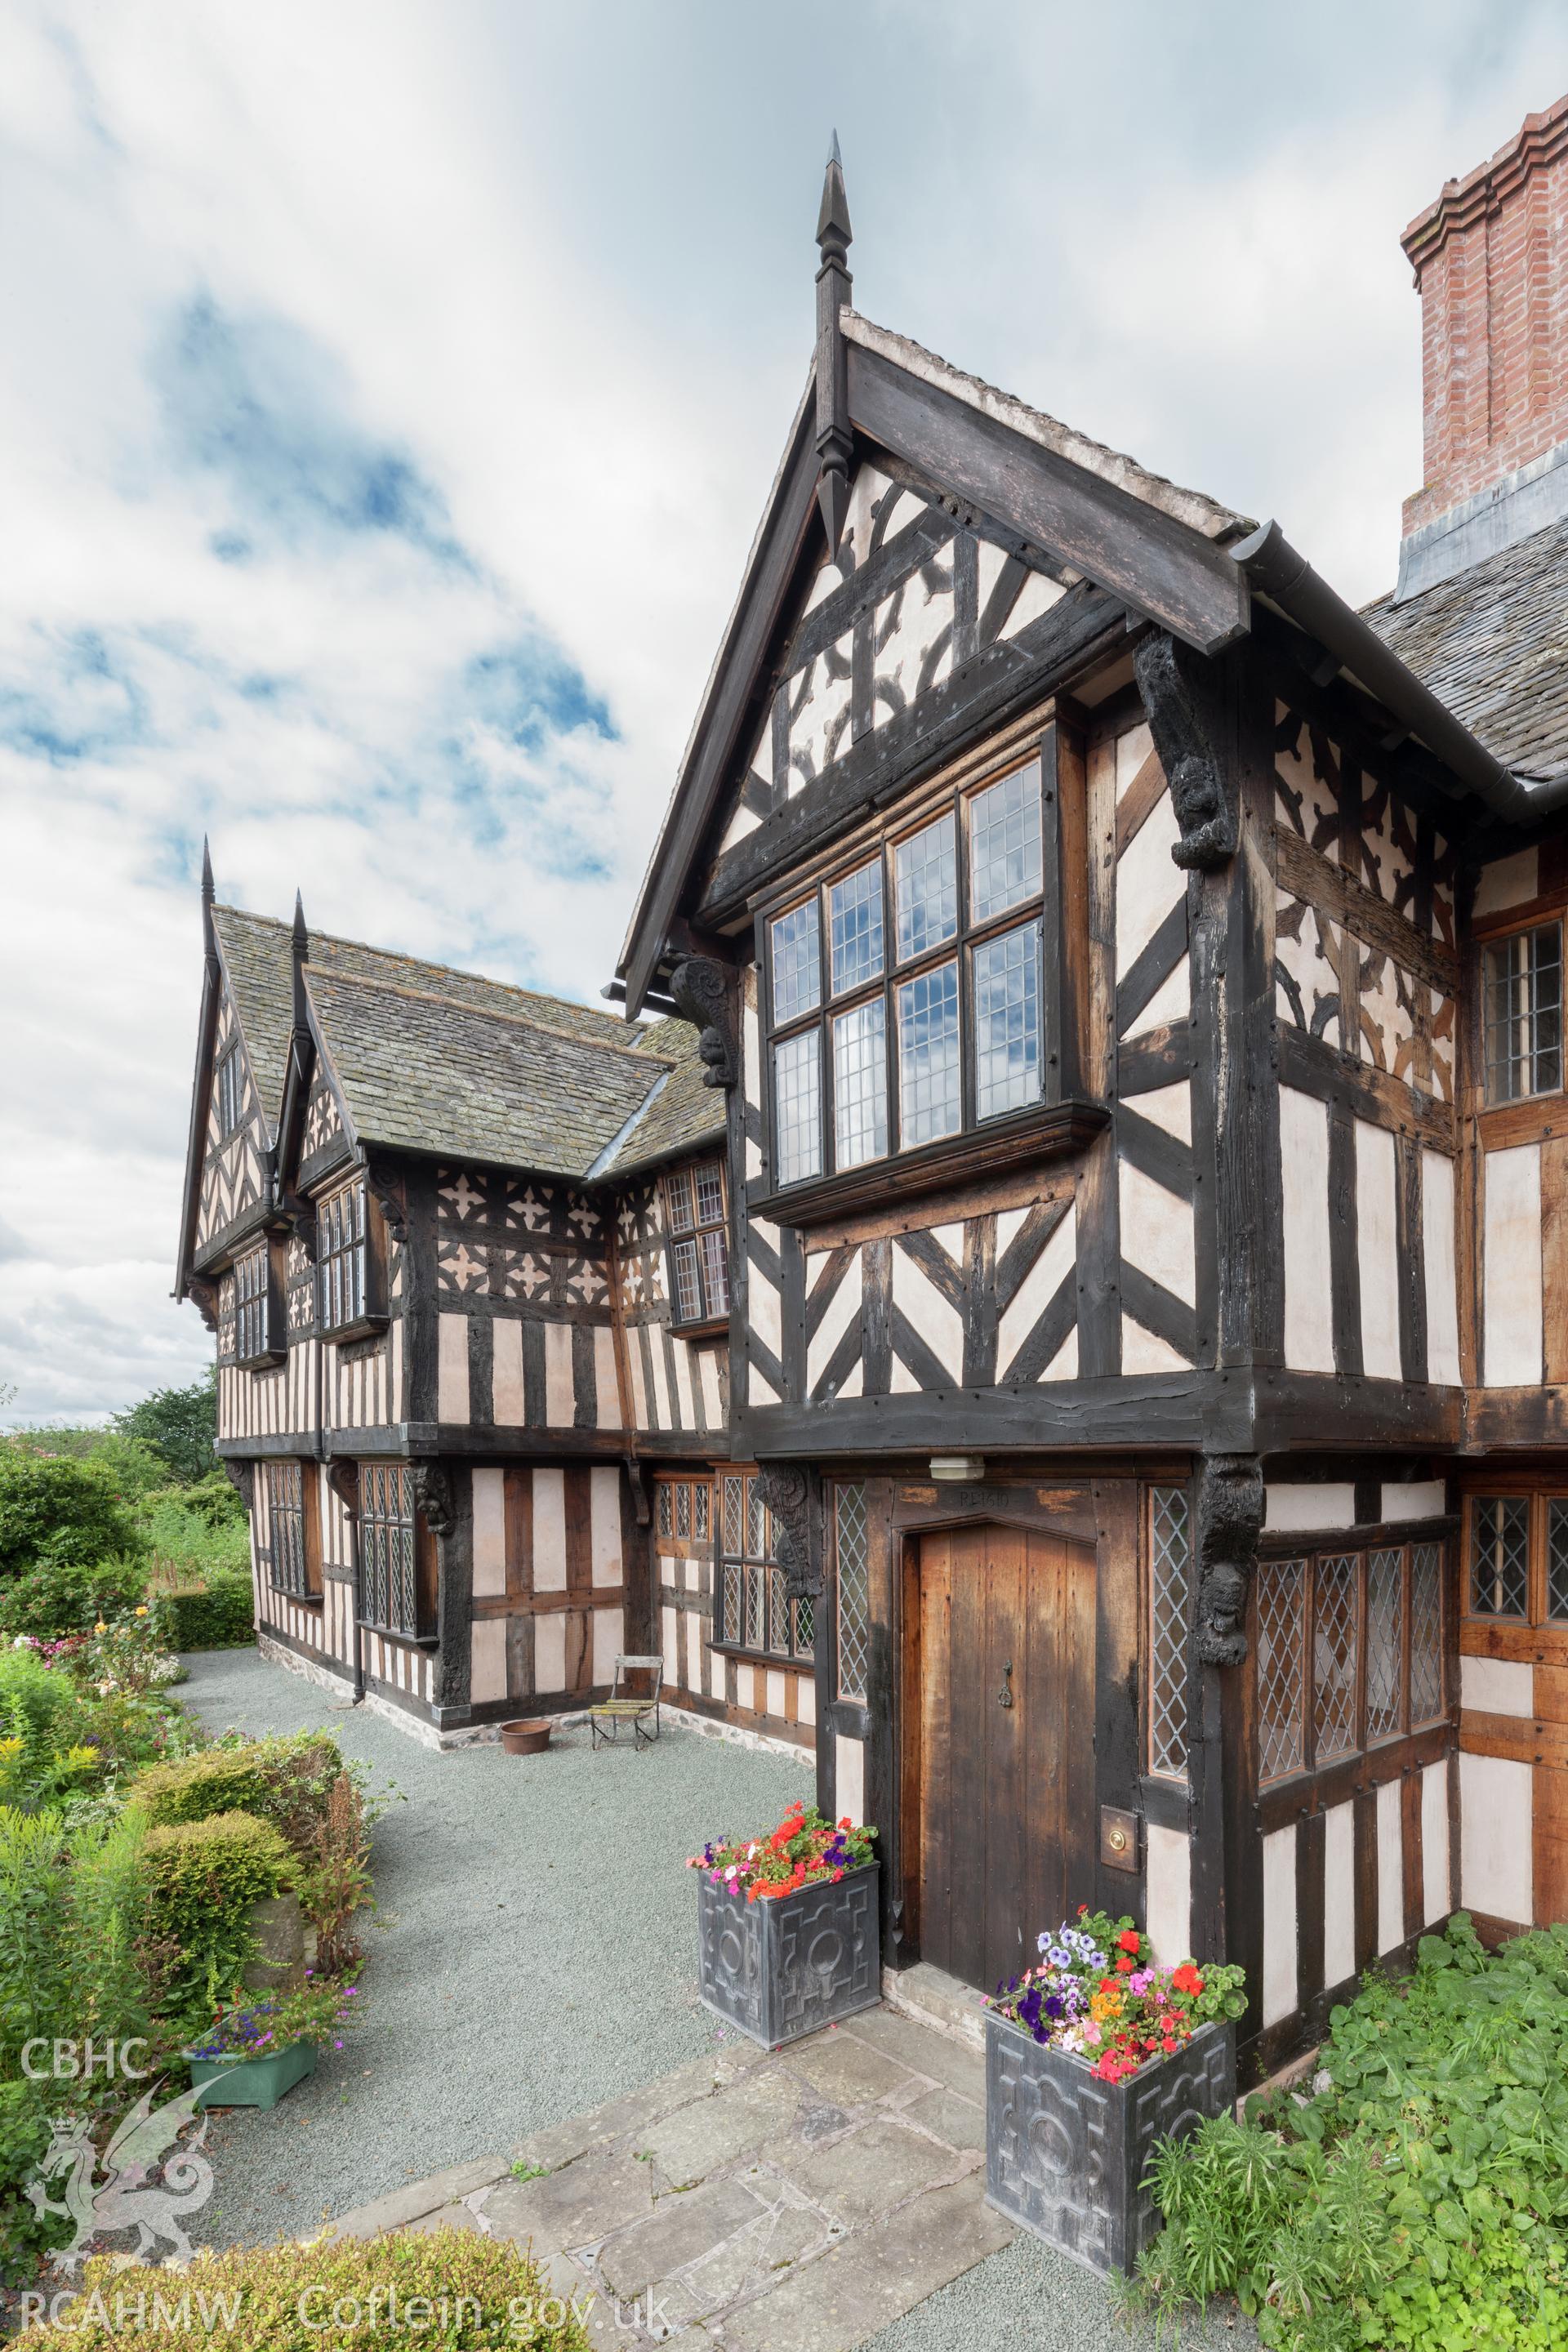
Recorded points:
(701, 986)
(1204, 809)
(1230, 1514)
(433, 1494)
(391, 1198)
(241, 1476)
(637, 1485)
(342, 1477)
(204, 1296)
(786, 1492)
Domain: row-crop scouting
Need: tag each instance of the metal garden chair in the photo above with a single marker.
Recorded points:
(604, 1720)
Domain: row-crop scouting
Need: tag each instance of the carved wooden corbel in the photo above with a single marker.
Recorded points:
(1204, 808)
(342, 1477)
(204, 1296)
(787, 1494)
(641, 1507)
(700, 987)
(391, 1198)
(1230, 1516)
(241, 1475)
(433, 1494)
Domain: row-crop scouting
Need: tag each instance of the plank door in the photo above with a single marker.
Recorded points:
(1002, 1794)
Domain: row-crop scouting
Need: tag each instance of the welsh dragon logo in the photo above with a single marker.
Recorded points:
(126, 2198)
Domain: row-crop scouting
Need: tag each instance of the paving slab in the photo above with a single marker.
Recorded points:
(706, 2134)
(960, 2122)
(847, 2071)
(680, 2229)
(585, 2200)
(941, 2056)
(867, 2172)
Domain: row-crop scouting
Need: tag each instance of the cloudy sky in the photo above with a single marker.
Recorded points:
(388, 394)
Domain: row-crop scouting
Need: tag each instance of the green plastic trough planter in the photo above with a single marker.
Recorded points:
(252, 2082)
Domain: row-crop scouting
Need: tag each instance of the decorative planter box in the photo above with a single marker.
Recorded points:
(1065, 2153)
(252, 2082)
(784, 1966)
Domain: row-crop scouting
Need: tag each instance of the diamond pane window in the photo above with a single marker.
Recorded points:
(860, 1084)
(1334, 1645)
(1281, 1587)
(930, 1089)
(1006, 1014)
(797, 961)
(1524, 1015)
(804, 1628)
(1557, 1557)
(1426, 1632)
(666, 1512)
(1385, 1643)
(756, 1523)
(699, 1513)
(734, 1514)
(390, 1598)
(286, 1527)
(852, 1552)
(1005, 844)
(797, 1098)
(253, 1305)
(1170, 1592)
(732, 1589)
(756, 1613)
(683, 1510)
(925, 887)
(1500, 1556)
(854, 926)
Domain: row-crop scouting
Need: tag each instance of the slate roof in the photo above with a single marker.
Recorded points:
(1492, 644)
(429, 1059)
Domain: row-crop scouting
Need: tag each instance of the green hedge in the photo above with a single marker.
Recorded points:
(216, 1614)
(205, 1877)
(448, 2288)
(284, 1781)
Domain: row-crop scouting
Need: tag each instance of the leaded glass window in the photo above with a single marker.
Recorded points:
(1500, 1556)
(1335, 1644)
(683, 1510)
(797, 961)
(861, 1083)
(797, 1105)
(1426, 1632)
(253, 1306)
(230, 1092)
(925, 888)
(665, 1511)
(1169, 1610)
(755, 1612)
(852, 1557)
(1557, 1557)
(930, 1098)
(699, 1249)
(699, 1513)
(1281, 1588)
(1524, 1013)
(1006, 980)
(289, 1569)
(1384, 1643)
(390, 1596)
(854, 926)
(1005, 844)
(341, 1270)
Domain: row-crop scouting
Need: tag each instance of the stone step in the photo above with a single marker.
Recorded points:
(933, 1998)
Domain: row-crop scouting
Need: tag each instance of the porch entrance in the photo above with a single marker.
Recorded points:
(998, 1763)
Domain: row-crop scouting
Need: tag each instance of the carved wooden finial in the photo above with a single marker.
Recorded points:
(835, 436)
(301, 936)
(301, 947)
(209, 929)
(208, 891)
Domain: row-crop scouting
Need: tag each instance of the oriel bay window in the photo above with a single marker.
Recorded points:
(699, 1252)
(754, 1612)
(259, 1327)
(905, 995)
(1349, 1652)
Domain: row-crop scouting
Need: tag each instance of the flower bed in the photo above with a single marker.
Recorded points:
(1097, 1994)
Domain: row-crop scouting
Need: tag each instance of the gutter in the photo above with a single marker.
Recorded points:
(1278, 571)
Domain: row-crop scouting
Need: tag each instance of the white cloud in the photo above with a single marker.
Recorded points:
(556, 265)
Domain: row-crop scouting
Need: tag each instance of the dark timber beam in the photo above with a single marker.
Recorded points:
(1159, 566)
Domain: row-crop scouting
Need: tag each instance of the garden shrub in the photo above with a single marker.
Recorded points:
(216, 1614)
(206, 1875)
(280, 2298)
(1421, 2201)
(57, 1596)
(284, 1780)
(62, 1511)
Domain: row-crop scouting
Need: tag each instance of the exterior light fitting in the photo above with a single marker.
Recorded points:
(961, 1469)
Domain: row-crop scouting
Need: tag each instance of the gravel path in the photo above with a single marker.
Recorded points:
(532, 1956)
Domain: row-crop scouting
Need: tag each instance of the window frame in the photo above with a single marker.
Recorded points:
(1538, 1496)
(270, 1321)
(710, 1317)
(293, 1499)
(1496, 941)
(422, 1581)
(371, 1244)
(1315, 1551)
(1157, 1756)
(753, 1566)
(228, 1091)
(1034, 907)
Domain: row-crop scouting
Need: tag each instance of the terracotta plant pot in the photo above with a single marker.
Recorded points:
(529, 1738)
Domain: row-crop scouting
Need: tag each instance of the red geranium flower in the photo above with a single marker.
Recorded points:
(1187, 1978)
(1124, 1965)
(1128, 1940)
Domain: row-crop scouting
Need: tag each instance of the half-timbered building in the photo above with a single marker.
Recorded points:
(1074, 1319)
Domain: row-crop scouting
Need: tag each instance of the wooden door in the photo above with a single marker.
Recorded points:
(999, 1763)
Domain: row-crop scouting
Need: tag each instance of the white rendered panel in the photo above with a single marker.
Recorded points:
(1304, 1158)
(1437, 1241)
(1377, 1251)
(1279, 1980)
(1511, 1352)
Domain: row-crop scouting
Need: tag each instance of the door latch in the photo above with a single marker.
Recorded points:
(1005, 1696)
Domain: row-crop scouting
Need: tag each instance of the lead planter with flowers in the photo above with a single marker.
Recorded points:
(788, 1936)
(1092, 2056)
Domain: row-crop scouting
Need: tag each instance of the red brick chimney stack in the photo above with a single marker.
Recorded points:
(1490, 258)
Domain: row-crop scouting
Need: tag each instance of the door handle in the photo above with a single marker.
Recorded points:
(1005, 1696)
